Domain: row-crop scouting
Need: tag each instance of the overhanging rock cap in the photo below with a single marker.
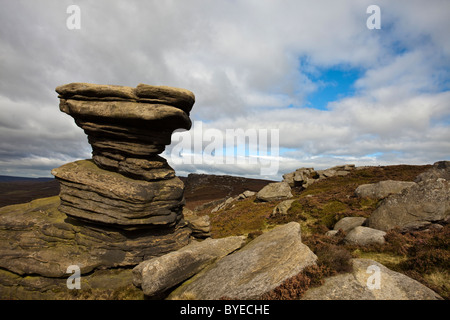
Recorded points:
(177, 97)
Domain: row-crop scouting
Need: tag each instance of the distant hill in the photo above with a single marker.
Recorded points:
(15, 179)
(200, 188)
(14, 190)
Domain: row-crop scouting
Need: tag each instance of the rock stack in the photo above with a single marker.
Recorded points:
(126, 185)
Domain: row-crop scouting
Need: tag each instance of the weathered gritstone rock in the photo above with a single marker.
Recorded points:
(96, 195)
(304, 177)
(159, 274)
(128, 127)
(38, 242)
(260, 266)
(116, 210)
(419, 206)
(126, 185)
(370, 280)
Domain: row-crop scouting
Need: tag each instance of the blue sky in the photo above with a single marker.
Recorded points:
(334, 84)
(336, 91)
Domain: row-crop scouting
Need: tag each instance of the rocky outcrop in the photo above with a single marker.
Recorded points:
(370, 280)
(275, 191)
(419, 206)
(304, 177)
(126, 184)
(257, 268)
(382, 189)
(159, 274)
(364, 236)
(116, 210)
(95, 195)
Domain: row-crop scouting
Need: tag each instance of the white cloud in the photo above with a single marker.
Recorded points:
(247, 62)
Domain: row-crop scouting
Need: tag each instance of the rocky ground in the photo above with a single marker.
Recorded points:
(315, 243)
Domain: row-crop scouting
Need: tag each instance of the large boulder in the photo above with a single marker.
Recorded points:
(119, 208)
(259, 267)
(370, 280)
(365, 236)
(425, 203)
(382, 189)
(275, 191)
(440, 169)
(159, 274)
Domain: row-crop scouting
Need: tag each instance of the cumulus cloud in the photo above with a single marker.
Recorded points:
(250, 65)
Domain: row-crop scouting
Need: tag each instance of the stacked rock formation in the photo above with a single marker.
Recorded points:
(126, 184)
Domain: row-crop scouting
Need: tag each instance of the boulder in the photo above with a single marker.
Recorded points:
(382, 189)
(440, 169)
(425, 203)
(365, 236)
(370, 280)
(119, 208)
(200, 225)
(246, 194)
(157, 275)
(275, 191)
(257, 268)
(224, 204)
(331, 233)
(282, 208)
(126, 184)
(349, 223)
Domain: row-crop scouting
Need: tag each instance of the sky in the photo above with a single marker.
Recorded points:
(333, 90)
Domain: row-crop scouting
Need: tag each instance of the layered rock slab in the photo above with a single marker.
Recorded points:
(128, 127)
(382, 189)
(421, 205)
(96, 195)
(126, 184)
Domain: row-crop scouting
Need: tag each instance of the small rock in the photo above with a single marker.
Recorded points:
(246, 194)
(282, 208)
(365, 236)
(200, 225)
(224, 204)
(349, 223)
